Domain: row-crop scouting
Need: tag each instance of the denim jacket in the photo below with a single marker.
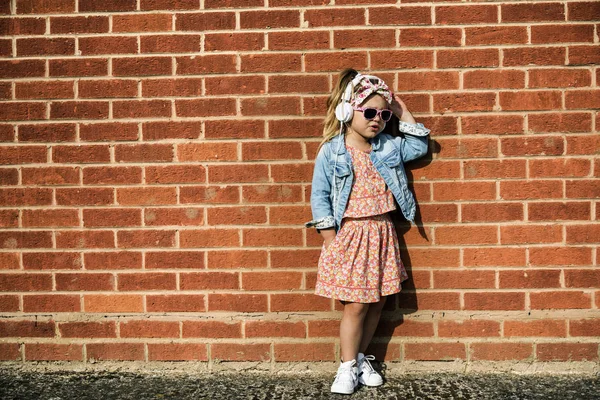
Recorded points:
(328, 200)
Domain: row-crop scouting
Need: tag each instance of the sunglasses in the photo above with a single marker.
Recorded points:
(370, 113)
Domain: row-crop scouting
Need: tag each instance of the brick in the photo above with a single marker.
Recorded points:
(45, 47)
(271, 280)
(469, 328)
(169, 5)
(23, 154)
(107, 5)
(500, 351)
(532, 12)
(482, 212)
(209, 280)
(299, 302)
(209, 64)
(203, 21)
(30, 282)
(496, 79)
(79, 110)
(78, 67)
(9, 218)
(494, 301)
(170, 44)
(22, 26)
(10, 352)
(149, 329)
(270, 193)
(408, 81)
(237, 302)
(583, 11)
(178, 216)
(147, 238)
(175, 303)
(374, 38)
(238, 173)
(53, 352)
(142, 66)
(448, 15)
(496, 35)
(84, 282)
(468, 58)
(211, 329)
(582, 278)
(292, 128)
(395, 328)
(494, 169)
(584, 327)
(269, 19)
(24, 328)
(429, 301)
(172, 87)
(439, 37)
(544, 78)
(560, 300)
(277, 237)
(562, 33)
(234, 41)
(438, 170)
(554, 168)
(53, 303)
(107, 88)
(115, 351)
(144, 152)
(456, 102)
(535, 328)
(275, 329)
(141, 23)
(88, 329)
(307, 40)
(113, 303)
(50, 218)
(584, 145)
(567, 352)
(401, 59)
(84, 239)
(493, 257)
(45, 7)
(142, 109)
(583, 233)
(22, 111)
(111, 131)
(45, 133)
(205, 107)
(177, 352)
(113, 260)
(582, 99)
(581, 55)
(207, 152)
(9, 260)
(44, 90)
(535, 189)
(304, 352)
(209, 195)
(22, 69)
(464, 279)
(294, 258)
(534, 56)
(434, 351)
(51, 260)
(292, 172)
(211, 237)
(334, 61)
(529, 279)
(85, 197)
(236, 216)
(42, 239)
(558, 211)
(240, 352)
(174, 260)
(560, 256)
(146, 281)
(19, 197)
(537, 146)
(433, 258)
(107, 45)
(334, 17)
(464, 191)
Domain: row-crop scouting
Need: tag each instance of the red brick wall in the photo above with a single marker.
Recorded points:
(157, 156)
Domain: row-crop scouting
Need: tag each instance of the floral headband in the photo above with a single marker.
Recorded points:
(366, 86)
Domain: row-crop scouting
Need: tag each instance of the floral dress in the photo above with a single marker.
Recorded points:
(363, 263)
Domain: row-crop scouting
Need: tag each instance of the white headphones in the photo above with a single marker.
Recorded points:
(344, 111)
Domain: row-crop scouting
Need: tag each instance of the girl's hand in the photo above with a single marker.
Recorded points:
(400, 110)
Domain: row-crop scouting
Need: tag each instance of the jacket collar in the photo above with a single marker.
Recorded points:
(340, 148)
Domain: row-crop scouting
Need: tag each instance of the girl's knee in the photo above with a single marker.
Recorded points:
(356, 309)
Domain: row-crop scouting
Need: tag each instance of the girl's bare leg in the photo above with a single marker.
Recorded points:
(351, 329)
(370, 323)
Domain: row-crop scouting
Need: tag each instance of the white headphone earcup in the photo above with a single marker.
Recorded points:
(344, 112)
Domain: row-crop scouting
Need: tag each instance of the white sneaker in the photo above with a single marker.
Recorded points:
(346, 379)
(366, 374)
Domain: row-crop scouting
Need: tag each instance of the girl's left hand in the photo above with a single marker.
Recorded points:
(400, 110)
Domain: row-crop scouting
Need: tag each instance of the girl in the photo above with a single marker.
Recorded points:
(358, 174)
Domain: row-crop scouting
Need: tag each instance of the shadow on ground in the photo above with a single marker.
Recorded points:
(126, 385)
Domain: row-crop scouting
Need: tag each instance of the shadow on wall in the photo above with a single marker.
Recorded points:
(405, 302)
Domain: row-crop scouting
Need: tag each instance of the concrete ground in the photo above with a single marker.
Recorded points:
(59, 385)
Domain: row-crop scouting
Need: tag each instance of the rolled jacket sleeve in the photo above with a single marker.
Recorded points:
(415, 141)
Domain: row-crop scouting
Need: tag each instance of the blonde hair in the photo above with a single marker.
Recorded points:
(332, 124)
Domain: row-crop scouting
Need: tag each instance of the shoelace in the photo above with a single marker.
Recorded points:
(340, 372)
(367, 359)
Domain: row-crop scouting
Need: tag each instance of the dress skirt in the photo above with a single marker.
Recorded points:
(362, 263)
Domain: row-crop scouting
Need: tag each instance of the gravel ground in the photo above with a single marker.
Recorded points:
(125, 385)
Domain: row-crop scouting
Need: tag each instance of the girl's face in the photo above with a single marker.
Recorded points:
(368, 129)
